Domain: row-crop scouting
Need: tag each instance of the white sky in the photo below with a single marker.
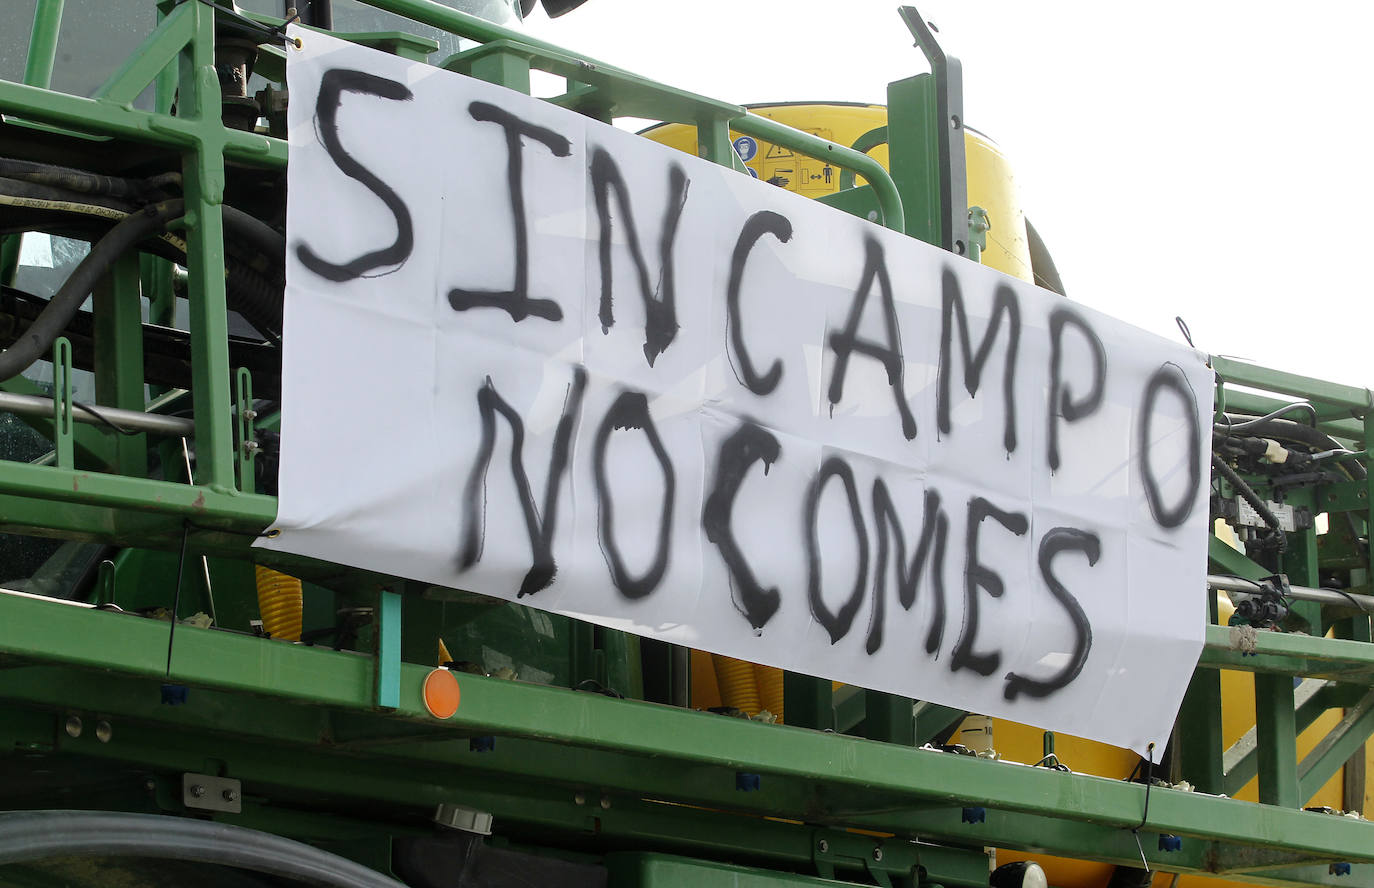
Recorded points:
(1206, 159)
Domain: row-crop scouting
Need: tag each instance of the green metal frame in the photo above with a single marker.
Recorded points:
(584, 769)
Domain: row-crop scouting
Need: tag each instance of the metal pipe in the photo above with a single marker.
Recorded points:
(134, 420)
(1300, 593)
(884, 189)
(47, 23)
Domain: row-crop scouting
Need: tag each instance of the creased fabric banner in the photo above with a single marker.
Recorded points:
(536, 357)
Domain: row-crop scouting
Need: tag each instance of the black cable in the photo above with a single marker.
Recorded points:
(1248, 494)
(104, 420)
(176, 596)
(37, 340)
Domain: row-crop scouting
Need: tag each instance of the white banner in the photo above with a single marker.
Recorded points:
(536, 357)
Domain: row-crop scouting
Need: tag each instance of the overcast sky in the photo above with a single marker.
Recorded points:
(1203, 159)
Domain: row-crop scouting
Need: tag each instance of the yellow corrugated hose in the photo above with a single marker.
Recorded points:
(738, 686)
(280, 603)
(769, 680)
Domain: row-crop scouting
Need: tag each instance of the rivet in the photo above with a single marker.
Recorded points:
(103, 731)
(73, 726)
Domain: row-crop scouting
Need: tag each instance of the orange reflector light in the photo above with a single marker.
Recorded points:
(441, 693)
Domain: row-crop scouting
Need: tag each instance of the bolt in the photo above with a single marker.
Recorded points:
(605, 803)
(73, 726)
(103, 731)
(150, 785)
(250, 446)
(823, 846)
(230, 795)
(877, 853)
(579, 798)
(250, 414)
(197, 791)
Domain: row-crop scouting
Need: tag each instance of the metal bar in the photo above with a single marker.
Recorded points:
(1300, 593)
(1315, 390)
(889, 201)
(901, 776)
(1240, 762)
(388, 670)
(145, 64)
(1251, 404)
(47, 24)
(62, 402)
(119, 362)
(1277, 733)
(1282, 653)
(1339, 744)
(136, 420)
(203, 171)
(242, 511)
(947, 130)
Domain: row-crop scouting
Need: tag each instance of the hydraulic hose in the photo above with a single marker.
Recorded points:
(39, 835)
(37, 340)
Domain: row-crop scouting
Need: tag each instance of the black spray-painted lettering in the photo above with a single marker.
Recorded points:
(979, 576)
(1170, 377)
(889, 354)
(934, 531)
(749, 444)
(1061, 400)
(540, 530)
(515, 301)
(1061, 539)
(631, 412)
(836, 624)
(1004, 302)
(333, 84)
(660, 311)
(761, 223)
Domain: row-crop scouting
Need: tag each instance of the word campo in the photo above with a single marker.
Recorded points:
(893, 559)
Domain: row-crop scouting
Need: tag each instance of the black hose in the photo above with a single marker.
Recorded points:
(40, 835)
(1248, 494)
(71, 179)
(1285, 430)
(37, 340)
(51, 193)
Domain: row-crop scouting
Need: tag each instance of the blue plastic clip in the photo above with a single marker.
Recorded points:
(975, 815)
(1170, 843)
(173, 695)
(1339, 869)
(482, 744)
(748, 782)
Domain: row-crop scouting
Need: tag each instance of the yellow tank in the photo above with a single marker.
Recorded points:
(992, 186)
(990, 181)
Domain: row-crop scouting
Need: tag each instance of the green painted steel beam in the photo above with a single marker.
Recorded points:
(47, 25)
(1230, 647)
(1315, 390)
(1226, 560)
(230, 509)
(108, 119)
(1251, 404)
(1333, 750)
(1277, 735)
(903, 777)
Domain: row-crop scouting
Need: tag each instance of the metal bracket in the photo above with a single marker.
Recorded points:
(62, 434)
(204, 792)
(245, 432)
(949, 108)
